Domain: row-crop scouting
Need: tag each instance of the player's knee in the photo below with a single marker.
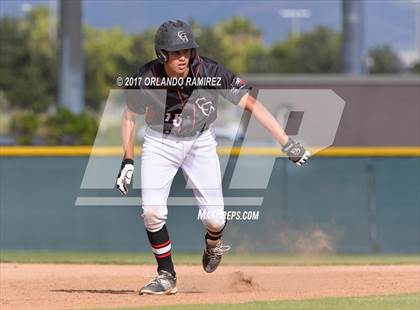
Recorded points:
(214, 224)
(154, 217)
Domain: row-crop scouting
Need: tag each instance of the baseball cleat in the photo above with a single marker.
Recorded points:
(163, 284)
(213, 256)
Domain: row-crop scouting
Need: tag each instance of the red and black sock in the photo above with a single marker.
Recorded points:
(161, 247)
(213, 237)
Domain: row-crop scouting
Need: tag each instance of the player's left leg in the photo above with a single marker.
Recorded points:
(201, 169)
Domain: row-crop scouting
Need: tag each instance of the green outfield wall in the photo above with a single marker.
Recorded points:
(343, 204)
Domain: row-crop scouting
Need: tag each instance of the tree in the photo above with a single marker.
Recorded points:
(283, 56)
(107, 55)
(241, 41)
(234, 42)
(319, 51)
(313, 52)
(382, 59)
(12, 58)
(416, 68)
(259, 60)
(43, 56)
(211, 45)
(142, 48)
(28, 61)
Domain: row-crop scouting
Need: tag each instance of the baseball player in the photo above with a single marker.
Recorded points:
(179, 134)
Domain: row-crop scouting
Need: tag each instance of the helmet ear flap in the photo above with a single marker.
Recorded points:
(193, 53)
(162, 56)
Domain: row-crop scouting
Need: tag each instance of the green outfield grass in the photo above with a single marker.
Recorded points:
(195, 258)
(389, 302)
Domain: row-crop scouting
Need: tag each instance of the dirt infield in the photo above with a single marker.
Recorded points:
(43, 286)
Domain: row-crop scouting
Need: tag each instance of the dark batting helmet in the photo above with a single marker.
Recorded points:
(174, 36)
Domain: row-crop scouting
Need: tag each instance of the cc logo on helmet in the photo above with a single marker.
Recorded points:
(183, 36)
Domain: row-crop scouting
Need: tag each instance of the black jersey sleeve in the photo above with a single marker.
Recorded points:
(138, 95)
(132, 93)
(233, 88)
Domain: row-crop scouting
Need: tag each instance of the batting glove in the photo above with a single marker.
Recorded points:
(125, 174)
(296, 152)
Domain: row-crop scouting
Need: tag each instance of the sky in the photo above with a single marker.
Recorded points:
(390, 22)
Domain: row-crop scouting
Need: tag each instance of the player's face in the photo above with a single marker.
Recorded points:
(177, 64)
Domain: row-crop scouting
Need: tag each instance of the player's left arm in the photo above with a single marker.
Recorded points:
(294, 150)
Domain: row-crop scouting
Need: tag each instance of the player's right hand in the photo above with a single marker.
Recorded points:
(125, 175)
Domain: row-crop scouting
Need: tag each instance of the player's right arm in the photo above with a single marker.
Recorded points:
(128, 129)
(128, 132)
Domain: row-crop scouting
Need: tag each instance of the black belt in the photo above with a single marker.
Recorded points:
(173, 132)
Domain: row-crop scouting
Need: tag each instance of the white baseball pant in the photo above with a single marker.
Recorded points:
(162, 156)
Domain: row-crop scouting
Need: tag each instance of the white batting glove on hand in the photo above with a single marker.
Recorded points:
(125, 175)
(296, 152)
